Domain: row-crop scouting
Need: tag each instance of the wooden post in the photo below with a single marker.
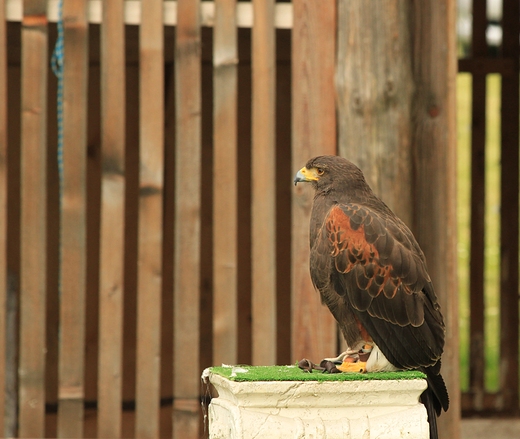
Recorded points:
(263, 182)
(111, 287)
(73, 229)
(405, 111)
(434, 146)
(33, 220)
(225, 185)
(13, 250)
(3, 209)
(314, 133)
(478, 197)
(186, 385)
(509, 218)
(151, 168)
(375, 88)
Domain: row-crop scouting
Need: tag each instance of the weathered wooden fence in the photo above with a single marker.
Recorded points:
(176, 175)
(169, 236)
(485, 58)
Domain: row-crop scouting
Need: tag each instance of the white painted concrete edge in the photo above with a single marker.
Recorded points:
(310, 409)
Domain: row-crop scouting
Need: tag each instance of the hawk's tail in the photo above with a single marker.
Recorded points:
(436, 384)
(435, 399)
(427, 398)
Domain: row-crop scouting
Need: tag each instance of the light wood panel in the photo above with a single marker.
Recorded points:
(264, 178)
(150, 217)
(313, 133)
(73, 243)
(187, 223)
(225, 60)
(111, 289)
(31, 370)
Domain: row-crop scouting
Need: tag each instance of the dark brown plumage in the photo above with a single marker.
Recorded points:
(372, 275)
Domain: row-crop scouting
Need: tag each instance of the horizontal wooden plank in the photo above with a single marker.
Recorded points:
(483, 66)
(132, 13)
(490, 404)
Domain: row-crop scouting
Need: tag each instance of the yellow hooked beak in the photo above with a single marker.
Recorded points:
(306, 175)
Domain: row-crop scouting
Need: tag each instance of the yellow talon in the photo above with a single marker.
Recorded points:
(358, 366)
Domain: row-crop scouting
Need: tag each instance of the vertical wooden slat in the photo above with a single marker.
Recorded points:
(73, 229)
(263, 209)
(434, 140)
(33, 219)
(111, 289)
(509, 219)
(477, 238)
(187, 223)
(314, 133)
(225, 60)
(478, 190)
(13, 250)
(149, 274)
(3, 209)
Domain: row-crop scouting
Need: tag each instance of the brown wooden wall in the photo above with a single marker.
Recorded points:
(177, 240)
(178, 174)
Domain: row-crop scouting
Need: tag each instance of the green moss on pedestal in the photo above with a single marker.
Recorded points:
(294, 373)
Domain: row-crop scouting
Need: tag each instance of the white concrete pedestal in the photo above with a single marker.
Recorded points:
(310, 409)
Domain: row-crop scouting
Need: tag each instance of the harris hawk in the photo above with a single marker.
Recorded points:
(372, 275)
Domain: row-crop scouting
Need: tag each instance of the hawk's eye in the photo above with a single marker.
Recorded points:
(319, 171)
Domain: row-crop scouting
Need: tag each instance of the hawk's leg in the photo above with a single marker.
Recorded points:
(368, 359)
(353, 360)
(340, 357)
(358, 366)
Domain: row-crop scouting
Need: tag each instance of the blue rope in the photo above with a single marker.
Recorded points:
(57, 68)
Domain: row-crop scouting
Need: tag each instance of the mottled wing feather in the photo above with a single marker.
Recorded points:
(364, 245)
(372, 262)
